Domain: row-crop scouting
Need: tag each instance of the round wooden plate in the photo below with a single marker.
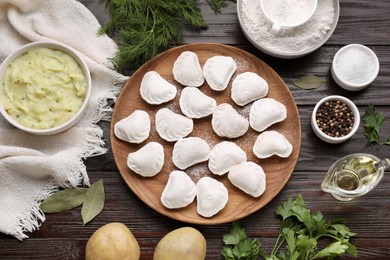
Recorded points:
(149, 190)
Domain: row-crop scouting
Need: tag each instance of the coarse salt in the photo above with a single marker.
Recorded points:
(355, 65)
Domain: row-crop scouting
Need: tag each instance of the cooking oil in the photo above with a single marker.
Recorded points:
(354, 175)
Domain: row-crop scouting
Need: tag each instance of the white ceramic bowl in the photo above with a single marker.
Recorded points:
(62, 48)
(354, 67)
(280, 54)
(330, 139)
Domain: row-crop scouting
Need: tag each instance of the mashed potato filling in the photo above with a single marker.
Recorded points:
(43, 88)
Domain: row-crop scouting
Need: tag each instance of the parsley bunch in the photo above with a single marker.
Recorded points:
(299, 234)
(373, 121)
(143, 28)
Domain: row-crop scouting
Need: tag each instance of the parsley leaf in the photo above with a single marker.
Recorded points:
(239, 246)
(343, 230)
(235, 235)
(332, 250)
(373, 121)
(284, 210)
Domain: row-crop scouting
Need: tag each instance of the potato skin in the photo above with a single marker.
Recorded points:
(185, 243)
(113, 241)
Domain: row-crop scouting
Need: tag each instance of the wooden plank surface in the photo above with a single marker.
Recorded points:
(63, 235)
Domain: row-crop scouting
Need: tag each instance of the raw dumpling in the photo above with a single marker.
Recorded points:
(147, 161)
(179, 192)
(269, 143)
(227, 122)
(225, 155)
(155, 89)
(187, 71)
(212, 196)
(189, 151)
(195, 104)
(171, 126)
(248, 177)
(266, 112)
(247, 87)
(135, 128)
(218, 71)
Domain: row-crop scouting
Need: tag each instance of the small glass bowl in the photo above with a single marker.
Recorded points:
(328, 138)
(56, 46)
(359, 60)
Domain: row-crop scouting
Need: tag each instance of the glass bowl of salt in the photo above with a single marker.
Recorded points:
(355, 67)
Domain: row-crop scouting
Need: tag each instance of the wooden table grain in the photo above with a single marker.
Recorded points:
(63, 236)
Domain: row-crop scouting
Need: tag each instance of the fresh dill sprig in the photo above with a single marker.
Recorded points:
(143, 28)
(216, 5)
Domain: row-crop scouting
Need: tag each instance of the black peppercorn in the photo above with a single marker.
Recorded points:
(335, 118)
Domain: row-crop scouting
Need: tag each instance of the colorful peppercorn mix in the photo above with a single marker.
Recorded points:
(335, 118)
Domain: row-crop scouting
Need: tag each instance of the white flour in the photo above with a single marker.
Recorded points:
(289, 41)
(288, 12)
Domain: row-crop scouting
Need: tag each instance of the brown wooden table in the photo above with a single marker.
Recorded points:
(63, 235)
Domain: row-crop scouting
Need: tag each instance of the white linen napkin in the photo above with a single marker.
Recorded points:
(33, 167)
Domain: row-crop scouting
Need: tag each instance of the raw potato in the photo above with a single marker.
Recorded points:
(112, 241)
(183, 243)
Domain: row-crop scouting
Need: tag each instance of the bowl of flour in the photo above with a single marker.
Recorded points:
(289, 43)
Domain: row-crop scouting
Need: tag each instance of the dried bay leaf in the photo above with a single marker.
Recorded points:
(93, 201)
(309, 82)
(63, 200)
